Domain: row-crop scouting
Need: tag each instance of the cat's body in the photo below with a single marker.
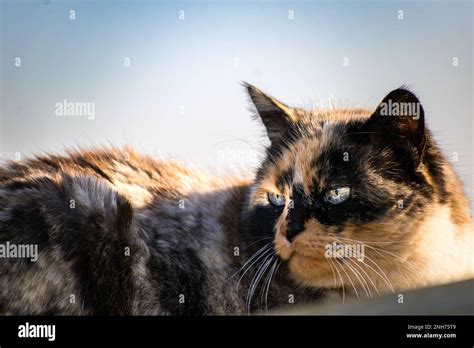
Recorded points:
(136, 236)
(120, 233)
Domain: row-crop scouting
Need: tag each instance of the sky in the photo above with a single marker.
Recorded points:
(165, 76)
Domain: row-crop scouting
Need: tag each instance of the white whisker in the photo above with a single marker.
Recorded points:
(256, 279)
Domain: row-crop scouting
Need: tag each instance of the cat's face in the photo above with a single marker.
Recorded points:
(340, 190)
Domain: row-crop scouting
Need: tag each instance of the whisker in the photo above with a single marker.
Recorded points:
(387, 252)
(379, 251)
(261, 251)
(368, 277)
(262, 290)
(387, 281)
(266, 282)
(258, 240)
(359, 276)
(249, 267)
(350, 279)
(256, 279)
(332, 269)
(364, 241)
(274, 271)
(342, 281)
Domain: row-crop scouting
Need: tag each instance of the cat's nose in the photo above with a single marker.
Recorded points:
(297, 216)
(293, 229)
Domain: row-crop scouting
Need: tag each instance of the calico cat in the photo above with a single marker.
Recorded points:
(123, 234)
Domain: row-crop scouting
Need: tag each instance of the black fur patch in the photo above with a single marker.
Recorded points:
(180, 278)
(298, 214)
(95, 241)
(262, 220)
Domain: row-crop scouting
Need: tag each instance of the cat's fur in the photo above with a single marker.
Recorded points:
(120, 233)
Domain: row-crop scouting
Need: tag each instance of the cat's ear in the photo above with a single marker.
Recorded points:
(400, 116)
(276, 116)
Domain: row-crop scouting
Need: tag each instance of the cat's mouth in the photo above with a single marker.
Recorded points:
(303, 265)
(286, 249)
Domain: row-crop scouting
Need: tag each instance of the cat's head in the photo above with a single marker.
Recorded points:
(334, 180)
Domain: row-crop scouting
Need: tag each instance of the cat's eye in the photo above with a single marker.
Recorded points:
(276, 199)
(337, 195)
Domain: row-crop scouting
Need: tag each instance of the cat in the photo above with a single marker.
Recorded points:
(120, 233)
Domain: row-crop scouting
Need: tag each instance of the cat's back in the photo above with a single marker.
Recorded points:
(137, 177)
(113, 230)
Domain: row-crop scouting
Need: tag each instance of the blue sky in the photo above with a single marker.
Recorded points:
(181, 94)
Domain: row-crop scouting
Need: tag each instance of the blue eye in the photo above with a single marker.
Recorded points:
(337, 195)
(276, 199)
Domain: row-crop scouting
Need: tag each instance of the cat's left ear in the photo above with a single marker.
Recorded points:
(276, 116)
(400, 117)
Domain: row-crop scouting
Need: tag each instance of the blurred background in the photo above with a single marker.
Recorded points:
(165, 76)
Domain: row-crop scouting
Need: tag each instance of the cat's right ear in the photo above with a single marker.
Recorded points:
(276, 116)
(400, 118)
